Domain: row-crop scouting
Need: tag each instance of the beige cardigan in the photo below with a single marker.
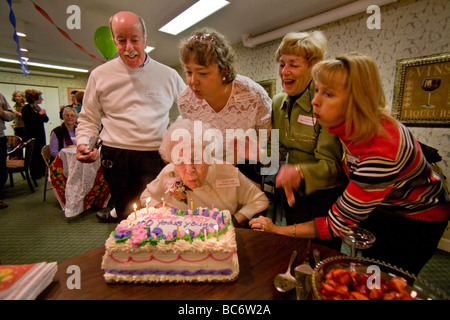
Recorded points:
(239, 195)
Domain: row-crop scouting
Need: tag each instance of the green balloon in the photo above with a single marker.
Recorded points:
(104, 42)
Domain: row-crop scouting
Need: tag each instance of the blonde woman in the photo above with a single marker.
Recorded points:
(312, 177)
(393, 192)
(18, 124)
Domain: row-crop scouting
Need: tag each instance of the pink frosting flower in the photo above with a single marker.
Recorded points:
(139, 234)
(122, 227)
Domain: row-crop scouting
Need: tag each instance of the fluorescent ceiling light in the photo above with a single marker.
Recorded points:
(197, 12)
(44, 65)
(40, 73)
(148, 49)
(23, 50)
(21, 34)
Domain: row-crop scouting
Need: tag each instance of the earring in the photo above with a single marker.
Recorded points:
(223, 79)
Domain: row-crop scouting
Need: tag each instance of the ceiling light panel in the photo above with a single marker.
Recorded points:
(44, 65)
(197, 12)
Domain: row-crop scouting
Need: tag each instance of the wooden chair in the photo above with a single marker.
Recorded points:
(22, 165)
(13, 144)
(47, 156)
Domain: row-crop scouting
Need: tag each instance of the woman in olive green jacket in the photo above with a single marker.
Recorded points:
(312, 176)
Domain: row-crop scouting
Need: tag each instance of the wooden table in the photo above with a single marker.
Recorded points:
(262, 256)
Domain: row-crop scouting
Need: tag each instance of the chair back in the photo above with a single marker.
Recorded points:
(13, 143)
(28, 146)
(46, 155)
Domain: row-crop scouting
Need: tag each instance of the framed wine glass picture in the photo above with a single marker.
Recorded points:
(422, 91)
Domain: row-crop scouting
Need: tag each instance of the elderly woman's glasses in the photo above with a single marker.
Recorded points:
(206, 37)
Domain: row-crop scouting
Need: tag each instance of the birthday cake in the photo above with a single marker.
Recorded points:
(172, 245)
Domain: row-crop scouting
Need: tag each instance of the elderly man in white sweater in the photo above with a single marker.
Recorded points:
(127, 100)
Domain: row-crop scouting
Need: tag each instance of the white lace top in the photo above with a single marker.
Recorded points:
(249, 106)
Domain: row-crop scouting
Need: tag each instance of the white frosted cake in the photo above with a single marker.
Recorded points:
(172, 245)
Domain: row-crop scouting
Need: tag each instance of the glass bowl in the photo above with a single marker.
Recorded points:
(418, 288)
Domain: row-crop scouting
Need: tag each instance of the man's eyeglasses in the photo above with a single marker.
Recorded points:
(206, 37)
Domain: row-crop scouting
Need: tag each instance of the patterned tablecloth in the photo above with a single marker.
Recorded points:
(78, 186)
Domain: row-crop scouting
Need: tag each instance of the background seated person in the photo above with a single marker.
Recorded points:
(201, 181)
(64, 135)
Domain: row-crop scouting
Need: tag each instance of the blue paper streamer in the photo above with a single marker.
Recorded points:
(12, 19)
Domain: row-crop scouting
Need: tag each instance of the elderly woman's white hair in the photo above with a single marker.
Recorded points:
(179, 131)
(68, 109)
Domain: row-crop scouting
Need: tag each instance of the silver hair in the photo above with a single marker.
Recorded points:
(70, 109)
(188, 128)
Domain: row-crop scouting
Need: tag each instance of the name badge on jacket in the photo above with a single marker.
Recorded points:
(310, 121)
(153, 94)
(224, 183)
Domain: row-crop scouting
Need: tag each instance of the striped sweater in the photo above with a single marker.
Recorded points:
(389, 174)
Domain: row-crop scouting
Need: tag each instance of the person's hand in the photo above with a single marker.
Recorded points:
(262, 223)
(288, 177)
(86, 156)
(42, 112)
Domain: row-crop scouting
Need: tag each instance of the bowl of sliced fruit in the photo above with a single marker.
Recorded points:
(359, 278)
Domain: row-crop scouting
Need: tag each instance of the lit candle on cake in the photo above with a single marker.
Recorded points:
(189, 235)
(135, 214)
(217, 234)
(192, 205)
(212, 208)
(146, 203)
(178, 231)
(164, 203)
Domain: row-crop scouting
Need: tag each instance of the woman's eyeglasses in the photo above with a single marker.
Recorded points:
(206, 37)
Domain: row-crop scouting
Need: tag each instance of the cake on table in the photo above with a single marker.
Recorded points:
(172, 245)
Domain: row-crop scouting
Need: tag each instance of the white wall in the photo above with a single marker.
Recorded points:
(50, 100)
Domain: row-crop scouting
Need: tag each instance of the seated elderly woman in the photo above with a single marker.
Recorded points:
(64, 135)
(194, 176)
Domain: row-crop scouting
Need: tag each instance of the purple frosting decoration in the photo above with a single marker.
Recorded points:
(200, 272)
(220, 219)
(215, 214)
(157, 231)
(205, 213)
(122, 234)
